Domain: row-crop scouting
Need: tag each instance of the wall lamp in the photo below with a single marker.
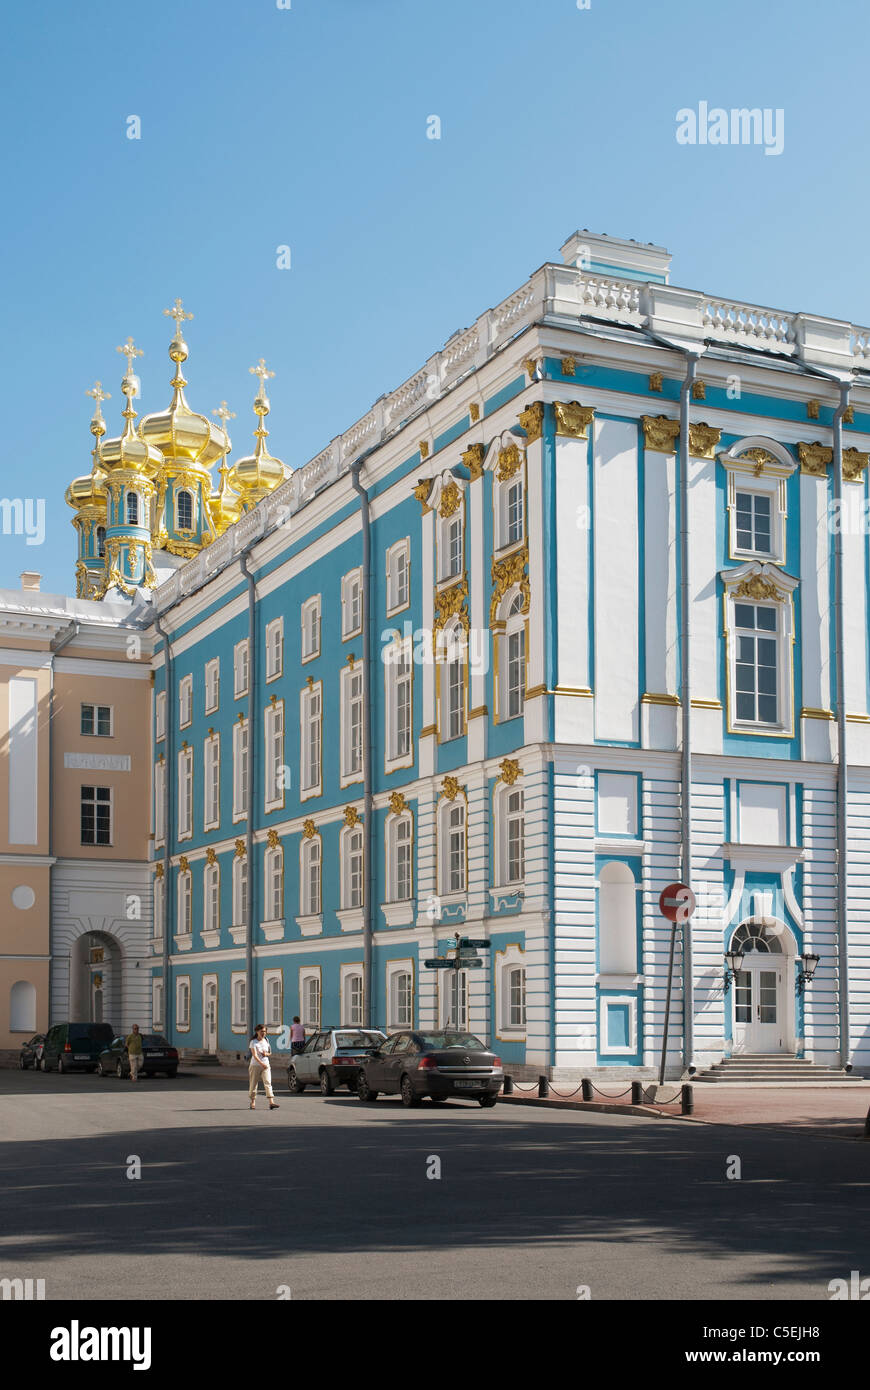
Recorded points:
(809, 961)
(733, 964)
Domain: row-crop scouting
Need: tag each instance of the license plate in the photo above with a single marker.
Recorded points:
(469, 1084)
(156, 1054)
(81, 1057)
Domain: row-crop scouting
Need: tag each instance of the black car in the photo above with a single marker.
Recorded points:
(75, 1046)
(158, 1055)
(31, 1052)
(439, 1064)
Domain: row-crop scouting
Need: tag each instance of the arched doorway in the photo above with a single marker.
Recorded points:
(95, 979)
(763, 1002)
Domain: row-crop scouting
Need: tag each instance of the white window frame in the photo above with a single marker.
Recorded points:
(399, 577)
(398, 660)
(185, 702)
(241, 891)
(607, 1001)
(445, 810)
(241, 669)
(503, 819)
(404, 821)
(784, 584)
(512, 625)
(176, 506)
(273, 878)
(504, 962)
(770, 484)
(160, 715)
(350, 971)
(212, 685)
(311, 847)
(352, 680)
(89, 704)
(158, 909)
(182, 1003)
(159, 801)
(309, 974)
(273, 752)
(273, 976)
(274, 649)
(502, 493)
(211, 755)
(238, 1002)
(241, 753)
(138, 520)
(452, 653)
(211, 897)
(395, 969)
(307, 721)
(157, 1002)
(351, 596)
(184, 904)
(352, 850)
(309, 619)
(454, 979)
(185, 793)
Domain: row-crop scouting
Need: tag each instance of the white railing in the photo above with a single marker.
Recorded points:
(748, 325)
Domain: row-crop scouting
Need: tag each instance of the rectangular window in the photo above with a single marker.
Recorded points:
(211, 898)
(96, 809)
(517, 998)
(240, 669)
(311, 629)
(273, 733)
(454, 877)
(311, 739)
(398, 577)
(311, 1001)
(401, 999)
(352, 722)
(275, 885)
(399, 706)
(516, 672)
(185, 701)
(351, 604)
(451, 547)
(454, 692)
(756, 664)
(515, 817)
(160, 715)
(240, 770)
(353, 844)
(185, 793)
(514, 513)
(159, 802)
(753, 522)
(274, 649)
(212, 750)
(310, 878)
(185, 904)
(97, 720)
(403, 841)
(212, 685)
(354, 1010)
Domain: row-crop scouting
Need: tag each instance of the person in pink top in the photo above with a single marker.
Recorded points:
(297, 1036)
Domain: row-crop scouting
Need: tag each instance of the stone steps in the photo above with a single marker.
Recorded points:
(752, 1068)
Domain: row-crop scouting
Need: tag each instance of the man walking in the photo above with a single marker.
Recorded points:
(261, 1067)
(134, 1051)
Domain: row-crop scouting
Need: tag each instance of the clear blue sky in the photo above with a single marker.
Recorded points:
(307, 126)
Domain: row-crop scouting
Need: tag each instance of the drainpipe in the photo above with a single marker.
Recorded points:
(249, 779)
(168, 745)
(686, 708)
(368, 685)
(842, 755)
(56, 646)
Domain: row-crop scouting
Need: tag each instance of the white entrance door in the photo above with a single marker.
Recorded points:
(210, 1019)
(759, 1005)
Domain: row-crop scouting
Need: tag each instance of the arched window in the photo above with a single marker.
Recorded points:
(751, 936)
(132, 509)
(22, 1007)
(452, 654)
(309, 877)
(452, 848)
(240, 891)
(274, 884)
(617, 920)
(510, 638)
(511, 832)
(240, 1003)
(185, 903)
(400, 866)
(158, 907)
(184, 511)
(273, 999)
(310, 995)
(101, 542)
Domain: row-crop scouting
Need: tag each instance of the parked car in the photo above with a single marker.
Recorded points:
(332, 1058)
(158, 1055)
(75, 1046)
(31, 1052)
(439, 1064)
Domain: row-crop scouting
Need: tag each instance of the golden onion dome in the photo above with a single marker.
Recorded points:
(260, 473)
(90, 489)
(129, 453)
(181, 433)
(224, 505)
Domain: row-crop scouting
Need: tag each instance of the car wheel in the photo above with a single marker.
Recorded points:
(60, 1066)
(294, 1085)
(101, 1070)
(487, 1101)
(119, 1071)
(326, 1086)
(363, 1089)
(42, 1064)
(410, 1099)
(22, 1065)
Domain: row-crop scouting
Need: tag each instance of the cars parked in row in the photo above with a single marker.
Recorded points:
(439, 1064)
(158, 1055)
(31, 1052)
(75, 1046)
(331, 1058)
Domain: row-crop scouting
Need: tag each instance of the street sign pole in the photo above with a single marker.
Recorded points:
(676, 903)
(668, 1002)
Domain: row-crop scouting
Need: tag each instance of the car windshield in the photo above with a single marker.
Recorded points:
(100, 1032)
(358, 1039)
(154, 1040)
(446, 1040)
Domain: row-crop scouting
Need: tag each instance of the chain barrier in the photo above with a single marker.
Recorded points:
(606, 1095)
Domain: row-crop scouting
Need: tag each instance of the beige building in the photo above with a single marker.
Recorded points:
(75, 898)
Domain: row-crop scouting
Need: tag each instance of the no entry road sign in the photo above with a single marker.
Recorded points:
(677, 902)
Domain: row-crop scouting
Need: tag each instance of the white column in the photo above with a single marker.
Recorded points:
(535, 721)
(573, 714)
(815, 570)
(616, 537)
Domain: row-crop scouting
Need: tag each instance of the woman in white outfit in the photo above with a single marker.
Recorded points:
(261, 1067)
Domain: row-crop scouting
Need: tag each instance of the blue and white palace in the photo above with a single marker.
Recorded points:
(578, 611)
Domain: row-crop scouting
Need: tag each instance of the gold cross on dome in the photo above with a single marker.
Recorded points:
(262, 371)
(179, 314)
(98, 394)
(224, 413)
(130, 351)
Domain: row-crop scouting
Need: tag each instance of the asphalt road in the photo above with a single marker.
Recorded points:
(330, 1199)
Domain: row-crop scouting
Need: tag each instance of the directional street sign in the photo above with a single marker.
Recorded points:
(469, 941)
(475, 964)
(439, 964)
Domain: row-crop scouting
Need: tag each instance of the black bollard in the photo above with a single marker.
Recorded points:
(586, 1088)
(687, 1100)
(508, 1086)
(543, 1088)
(636, 1093)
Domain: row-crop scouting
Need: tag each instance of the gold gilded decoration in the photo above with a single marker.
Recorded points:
(480, 712)
(429, 730)
(211, 855)
(451, 497)
(755, 587)
(184, 864)
(532, 421)
(651, 698)
(351, 659)
(660, 433)
(509, 462)
(656, 381)
(531, 367)
(703, 440)
(849, 415)
(424, 448)
(309, 830)
(241, 849)
(854, 463)
(351, 816)
(273, 839)
(397, 803)
(759, 457)
(473, 458)
(509, 771)
(569, 365)
(505, 574)
(535, 691)
(699, 390)
(474, 412)
(421, 492)
(814, 459)
(158, 872)
(309, 681)
(813, 410)
(450, 603)
(450, 788)
(573, 419)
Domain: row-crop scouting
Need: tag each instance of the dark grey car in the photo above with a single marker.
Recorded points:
(435, 1063)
